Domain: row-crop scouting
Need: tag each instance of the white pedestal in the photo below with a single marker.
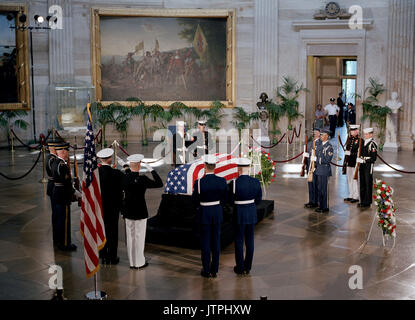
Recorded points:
(391, 139)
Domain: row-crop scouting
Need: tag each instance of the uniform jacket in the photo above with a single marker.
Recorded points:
(63, 190)
(212, 188)
(324, 155)
(246, 188)
(49, 170)
(369, 154)
(201, 141)
(353, 147)
(351, 116)
(110, 181)
(310, 152)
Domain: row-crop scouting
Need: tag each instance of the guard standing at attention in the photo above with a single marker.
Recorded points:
(110, 181)
(203, 140)
(312, 185)
(246, 194)
(134, 208)
(367, 160)
(352, 149)
(51, 157)
(324, 154)
(209, 195)
(63, 194)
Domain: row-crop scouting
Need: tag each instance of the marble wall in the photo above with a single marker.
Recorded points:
(273, 38)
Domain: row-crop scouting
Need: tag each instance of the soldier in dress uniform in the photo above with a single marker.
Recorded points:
(368, 155)
(352, 149)
(324, 154)
(51, 157)
(134, 209)
(246, 194)
(63, 194)
(110, 180)
(203, 140)
(209, 195)
(180, 144)
(350, 114)
(312, 186)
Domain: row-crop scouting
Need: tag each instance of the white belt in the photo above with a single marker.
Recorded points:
(245, 201)
(200, 147)
(206, 204)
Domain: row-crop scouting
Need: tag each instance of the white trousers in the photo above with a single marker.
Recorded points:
(353, 184)
(136, 237)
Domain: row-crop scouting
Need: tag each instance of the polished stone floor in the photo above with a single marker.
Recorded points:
(298, 254)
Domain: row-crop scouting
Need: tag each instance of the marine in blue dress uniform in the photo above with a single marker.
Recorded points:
(246, 194)
(63, 194)
(324, 154)
(312, 186)
(367, 160)
(51, 157)
(209, 195)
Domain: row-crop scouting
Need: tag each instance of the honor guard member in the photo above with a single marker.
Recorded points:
(209, 195)
(368, 155)
(110, 181)
(52, 156)
(246, 194)
(203, 140)
(352, 149)
(312, 186)
(63, 194)
(180, 144)
(324, 154)
(350, 114)
(135, 209)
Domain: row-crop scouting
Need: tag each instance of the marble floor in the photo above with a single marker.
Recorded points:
(298, 254)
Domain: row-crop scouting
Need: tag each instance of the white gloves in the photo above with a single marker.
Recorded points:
(147, 166)
(360, 160)
(78, 194)
(306, 155)
(347, 153)
(313, 158)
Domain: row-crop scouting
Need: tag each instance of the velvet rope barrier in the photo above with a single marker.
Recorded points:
(268, 147)
(295, 134)
(30, 170)
(26, 145)
(288, 160)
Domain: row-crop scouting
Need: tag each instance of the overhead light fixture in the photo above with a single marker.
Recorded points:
(22, 18)
(39, 19)
(10, 17)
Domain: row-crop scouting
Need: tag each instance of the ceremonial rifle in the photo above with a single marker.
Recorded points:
(303, 168)
(356, 168)
(346, 157)
(313, 163)
(76, 182)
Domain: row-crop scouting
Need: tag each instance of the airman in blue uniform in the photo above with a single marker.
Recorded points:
(246, 194)
(324, 154)
(209, 195)
(312, 186)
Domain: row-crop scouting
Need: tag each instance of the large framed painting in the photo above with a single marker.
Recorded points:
(163, 55)
(14, 66)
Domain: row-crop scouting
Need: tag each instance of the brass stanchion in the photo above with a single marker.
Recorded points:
(337, 154)
(43, 150)
(288, 140)
(12, 140)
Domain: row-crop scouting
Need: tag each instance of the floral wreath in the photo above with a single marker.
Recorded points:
(385, 208)
(267, 170)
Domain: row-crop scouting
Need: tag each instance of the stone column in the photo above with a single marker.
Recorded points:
(400, 71)
(265, 48)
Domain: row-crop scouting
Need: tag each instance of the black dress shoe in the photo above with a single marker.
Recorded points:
(71, 247)
(247, 271)
(325, 210)
(132, 267)
(319, 210)
(204, 274)
(348, 199)
(213, 275)
(114, 260)
(307, 205)
(237, 271)
(144, 265)
(354, 200)
(363, 205)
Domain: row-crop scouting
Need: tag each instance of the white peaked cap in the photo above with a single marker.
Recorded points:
(105, 153)
(201, 121)
(368, 130)
(354, 126)
(134, 158)
(209, 159)
(243, 162)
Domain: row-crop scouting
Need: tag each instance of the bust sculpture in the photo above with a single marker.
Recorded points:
(263, 116)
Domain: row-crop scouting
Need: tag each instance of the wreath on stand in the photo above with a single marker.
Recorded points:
(385, 208)
(263, 166)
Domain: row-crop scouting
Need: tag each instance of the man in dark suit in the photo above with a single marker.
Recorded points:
(324, 154)
(63, 194)
(209, 195)
(110, 180)
(246, 194)
(368, 156)
(134, 209)
(312, 185)
(340, 104)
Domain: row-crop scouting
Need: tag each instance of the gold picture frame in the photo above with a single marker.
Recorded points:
(230, 16)
(22, 64)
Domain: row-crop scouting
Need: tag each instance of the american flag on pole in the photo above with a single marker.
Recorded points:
(182, 178)
(92, 223)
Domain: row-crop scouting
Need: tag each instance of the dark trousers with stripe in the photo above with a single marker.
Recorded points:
(333, 125)
(366, 184)
(244, 232)
(322, 182)
(210, 245)
(63, 224)
(313, 190)
(55, 231)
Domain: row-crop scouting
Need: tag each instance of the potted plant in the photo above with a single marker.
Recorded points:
(8, 121)
(103, 116)
(242, 119)
(275, 113)
(215, 115)
(121, 117)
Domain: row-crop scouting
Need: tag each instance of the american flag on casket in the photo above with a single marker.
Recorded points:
(181, 179)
